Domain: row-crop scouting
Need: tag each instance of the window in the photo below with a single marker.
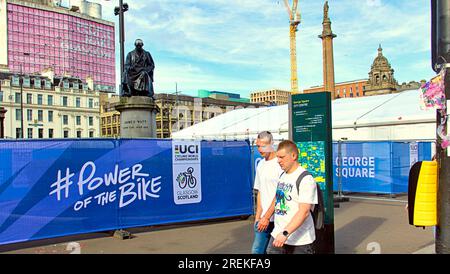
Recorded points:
(50, 116)
(50, 133)
(29, 115)
(78, 119)
(18, 133)
(64, 101)
(91, 121)
(40, 115)
(37, 83)
(30, 133)
(91, 134)
(48, 84)
(15, 81)
(41, 133)
(91, 103)
(66, 134)
(39, 99)
(18, 98)
(18, 115)
(78, 102)
(66, 85)
(26, 82)
(50, 100)
(65, 120)
(29, 98)
(78, 134)
(1, 96)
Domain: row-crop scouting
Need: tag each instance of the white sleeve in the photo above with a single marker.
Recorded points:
(257, 184)
(308, 191)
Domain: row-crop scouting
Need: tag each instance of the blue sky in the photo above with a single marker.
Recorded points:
(243, 45)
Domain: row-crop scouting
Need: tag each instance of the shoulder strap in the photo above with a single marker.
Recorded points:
(301, 177)
(282, 174)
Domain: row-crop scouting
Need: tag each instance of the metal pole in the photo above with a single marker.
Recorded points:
(21, 102)
(122, 43)
(340, 169)
(441, 13)
(253, 174)
(443, 228)
(340, 197)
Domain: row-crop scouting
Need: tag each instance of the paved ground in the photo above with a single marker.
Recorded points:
(361, 227)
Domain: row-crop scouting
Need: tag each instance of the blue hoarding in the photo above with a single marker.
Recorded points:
(58, 188)
(374, 167)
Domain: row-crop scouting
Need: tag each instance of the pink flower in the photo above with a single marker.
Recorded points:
(445, 144)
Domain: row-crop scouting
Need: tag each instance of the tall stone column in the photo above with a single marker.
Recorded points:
(137, 117)
(2, 119)
(328, 55)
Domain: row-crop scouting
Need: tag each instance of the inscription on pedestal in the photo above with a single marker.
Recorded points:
(136, 124)
(137, 117)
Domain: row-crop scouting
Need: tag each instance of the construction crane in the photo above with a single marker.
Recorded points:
(294, 21)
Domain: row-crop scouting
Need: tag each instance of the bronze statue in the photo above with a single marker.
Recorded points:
(138, 75)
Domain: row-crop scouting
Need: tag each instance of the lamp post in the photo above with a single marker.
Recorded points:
(21, 101)
(21, 75)
(120, 10)
(441, 60)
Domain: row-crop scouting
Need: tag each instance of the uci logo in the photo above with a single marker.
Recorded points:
(184, 149)
(187, 179)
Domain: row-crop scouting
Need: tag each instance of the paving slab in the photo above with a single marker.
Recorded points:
(361, 227)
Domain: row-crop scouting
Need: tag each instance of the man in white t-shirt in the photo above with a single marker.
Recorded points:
(267, 174)
(294, 231)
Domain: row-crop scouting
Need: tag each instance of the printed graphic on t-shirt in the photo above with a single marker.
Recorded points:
(283, 196)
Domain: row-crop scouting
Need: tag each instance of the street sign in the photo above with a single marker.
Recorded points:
(311, 130)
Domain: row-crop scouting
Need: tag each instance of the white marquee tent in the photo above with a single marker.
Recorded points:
(389, 117)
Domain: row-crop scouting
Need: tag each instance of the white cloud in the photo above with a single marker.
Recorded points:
(373, 3)
(243, 45)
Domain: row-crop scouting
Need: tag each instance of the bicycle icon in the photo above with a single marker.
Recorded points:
(187, 179)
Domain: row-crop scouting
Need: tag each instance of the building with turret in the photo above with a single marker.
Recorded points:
(381, 81)
(381, 77)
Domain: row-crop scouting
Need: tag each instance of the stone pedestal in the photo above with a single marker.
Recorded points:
(2, 119)
(137, 117)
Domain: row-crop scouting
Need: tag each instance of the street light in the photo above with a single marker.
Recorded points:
(21, 75)
(120, 10)
(21, 101)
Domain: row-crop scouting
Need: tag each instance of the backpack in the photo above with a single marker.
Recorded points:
(318, 214)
